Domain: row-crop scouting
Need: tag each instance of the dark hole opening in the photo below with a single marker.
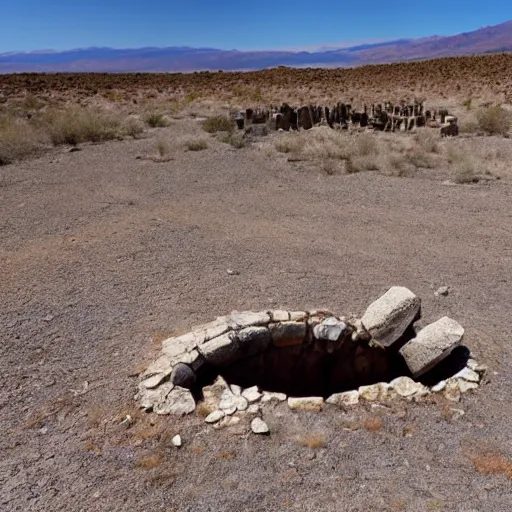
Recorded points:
(320, 370)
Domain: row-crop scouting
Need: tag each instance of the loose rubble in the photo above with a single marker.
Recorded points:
(166, 386)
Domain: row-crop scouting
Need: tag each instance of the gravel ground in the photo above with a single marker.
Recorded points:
(102, 255)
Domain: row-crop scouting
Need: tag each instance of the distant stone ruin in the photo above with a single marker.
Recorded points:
(312, 360)
(379, 117)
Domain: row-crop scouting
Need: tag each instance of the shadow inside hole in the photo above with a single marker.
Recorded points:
(308, 371)
(447, 368)
(296, 371)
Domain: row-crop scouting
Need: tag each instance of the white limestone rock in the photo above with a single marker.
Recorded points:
(269, 397)
(374, 392)
(173, 347)
(258, 426)
(330, 329)
(408, 388)
(178, 401)
(155, 380)
(220, 351)
(431, 345)
(345, 399)
(390, 315)
(176, 441)
(310, 403)
(215, 416)
(278, 315)
(149, 398)
(241, 319)
(467, 374)
(252, 394)
(440, 386)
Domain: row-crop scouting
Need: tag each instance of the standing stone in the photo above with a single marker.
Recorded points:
(390, 315)
(288, 334)
(330, 329)
(258, 426)
(432, 344)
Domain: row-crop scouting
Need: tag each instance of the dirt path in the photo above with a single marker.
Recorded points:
(102, 255)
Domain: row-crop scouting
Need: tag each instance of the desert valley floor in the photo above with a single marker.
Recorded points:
(104, 253)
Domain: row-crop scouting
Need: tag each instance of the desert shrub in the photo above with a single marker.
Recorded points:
(287, 144)
(419, 159)
(236, 140)
(494, 120)
(428, 141)
(76, 125)
(366, 145)
(464, 172)
(133, 127)
(467, 103)
(18, 139)
(397, 166)
(468, 126)
(196, 144)
(218, 124)
(156, 120)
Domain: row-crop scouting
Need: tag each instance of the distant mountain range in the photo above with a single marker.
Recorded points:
(493, 39)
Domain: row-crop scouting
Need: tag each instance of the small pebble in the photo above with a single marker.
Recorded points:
(176, 441)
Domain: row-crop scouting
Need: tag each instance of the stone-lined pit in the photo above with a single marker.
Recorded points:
(239, 360)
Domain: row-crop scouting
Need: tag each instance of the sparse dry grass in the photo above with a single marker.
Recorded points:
(218, 124)
(76, 125)
(156, 120)
(194, 144)
(204, 409)
(150, 461)
(493, 463)
(373, 424)
(313, 440)
(226, 455)
(494, 120)
(18, 139)
(235, 140)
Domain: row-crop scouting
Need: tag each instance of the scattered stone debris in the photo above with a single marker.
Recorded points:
(262, 338)
(232, 272)
(442, 291)
(258, 426)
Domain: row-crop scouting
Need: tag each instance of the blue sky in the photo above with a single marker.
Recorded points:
(242, 24)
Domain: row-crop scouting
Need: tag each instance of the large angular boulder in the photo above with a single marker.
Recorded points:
(390, 315)
(432, 344)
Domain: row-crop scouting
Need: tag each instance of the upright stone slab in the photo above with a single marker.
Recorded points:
(432, 344)
(388, 317)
